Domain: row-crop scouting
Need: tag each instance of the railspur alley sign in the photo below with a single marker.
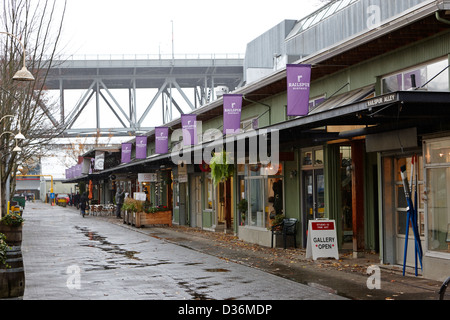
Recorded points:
(382, 100)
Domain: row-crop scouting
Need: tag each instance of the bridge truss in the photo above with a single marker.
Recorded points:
(112, 91)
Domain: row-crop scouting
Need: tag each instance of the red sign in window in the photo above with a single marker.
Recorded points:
(322, 225)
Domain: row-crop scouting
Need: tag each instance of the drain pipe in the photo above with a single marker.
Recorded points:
(438, 18)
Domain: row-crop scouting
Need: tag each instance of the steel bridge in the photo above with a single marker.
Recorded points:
(169, 80)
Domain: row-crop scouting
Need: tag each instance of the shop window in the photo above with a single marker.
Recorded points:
(313, 104)
(209, 193)
(437, 165)
(346, 192)
(256, 216)
(176, 194)
(249, 124)
(312, 157)
(431, 76)
(264, 187)
(242, 183)
(401, 202)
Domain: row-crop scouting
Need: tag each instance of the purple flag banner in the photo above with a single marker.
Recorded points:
(161, 140)
(232, 107)
(126, 152)
(298, 83)
(141, 147)
(189, 124)
(78, 170)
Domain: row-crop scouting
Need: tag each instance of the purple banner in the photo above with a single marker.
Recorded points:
(126, 152)
(232, 107)
(161, 140)
(141, 147)
(78, 170)
(189, 124)
(298, 83)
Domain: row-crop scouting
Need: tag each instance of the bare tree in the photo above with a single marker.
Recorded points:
(27, 106)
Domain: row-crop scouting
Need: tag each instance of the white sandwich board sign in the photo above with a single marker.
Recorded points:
(322, 240)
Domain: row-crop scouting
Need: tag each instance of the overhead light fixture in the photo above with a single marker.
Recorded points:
(17, 149)
(19, 136)
(23, 75)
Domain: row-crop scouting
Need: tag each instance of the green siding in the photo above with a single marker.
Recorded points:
(366, 73)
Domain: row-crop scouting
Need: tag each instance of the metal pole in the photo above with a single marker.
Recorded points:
(173, 52)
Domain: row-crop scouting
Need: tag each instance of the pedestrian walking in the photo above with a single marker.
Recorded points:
(83, 204)
(120, 196)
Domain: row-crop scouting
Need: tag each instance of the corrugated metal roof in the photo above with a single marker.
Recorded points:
(341, 20)
(319, 15)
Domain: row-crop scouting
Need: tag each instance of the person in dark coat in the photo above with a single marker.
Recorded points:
(120, 196)
(84, 203)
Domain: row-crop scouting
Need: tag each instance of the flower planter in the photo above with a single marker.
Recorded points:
(12, 275)
(157, 218)
(127, 217)
(13, 234)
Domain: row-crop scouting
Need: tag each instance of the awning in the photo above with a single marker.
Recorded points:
(344, 99)
(392, 111)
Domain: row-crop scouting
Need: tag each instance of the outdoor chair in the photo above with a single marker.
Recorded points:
(288, 227)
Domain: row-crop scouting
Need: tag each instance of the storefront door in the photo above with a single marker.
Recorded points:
(313, 196)
(196, 205)
(401, 208)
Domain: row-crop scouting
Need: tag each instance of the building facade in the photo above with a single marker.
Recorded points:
(379, 107)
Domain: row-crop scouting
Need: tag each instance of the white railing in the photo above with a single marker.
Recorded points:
(193, 56)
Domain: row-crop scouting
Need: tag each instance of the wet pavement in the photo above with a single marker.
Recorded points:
(100, 258)
(68, 257)
(347, 277)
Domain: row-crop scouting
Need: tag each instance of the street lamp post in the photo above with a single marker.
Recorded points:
(18, 136)
(21, 75)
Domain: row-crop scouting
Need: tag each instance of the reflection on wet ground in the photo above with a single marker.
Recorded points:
(217, 270)
(118, 258)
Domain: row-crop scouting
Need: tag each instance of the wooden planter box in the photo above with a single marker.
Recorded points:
(127, 217)
(13, 235)
(139, 219)
(12, 278)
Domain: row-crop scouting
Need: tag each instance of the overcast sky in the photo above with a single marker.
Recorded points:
(115, 27)
(199, 26)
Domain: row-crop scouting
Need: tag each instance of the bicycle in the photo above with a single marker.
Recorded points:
(443, 289)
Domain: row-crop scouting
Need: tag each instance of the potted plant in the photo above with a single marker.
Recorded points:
(13, 281)
(154, 215)
(131, 207)
(243, 207)
(139, 213)
(154, 209)
(11, 227)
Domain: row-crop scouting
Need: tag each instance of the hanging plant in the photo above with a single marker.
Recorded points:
(221, 167)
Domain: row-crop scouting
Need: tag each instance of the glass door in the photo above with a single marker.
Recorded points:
(313, 197)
